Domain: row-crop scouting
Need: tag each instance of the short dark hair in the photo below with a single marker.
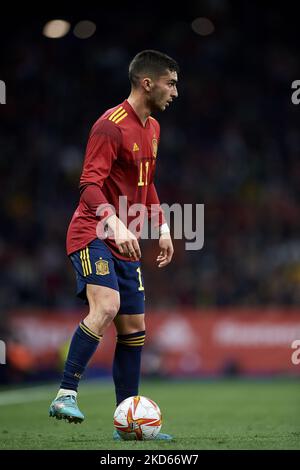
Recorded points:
(150, 62)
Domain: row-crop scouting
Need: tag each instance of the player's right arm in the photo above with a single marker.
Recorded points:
(101, 152)
(125, 240)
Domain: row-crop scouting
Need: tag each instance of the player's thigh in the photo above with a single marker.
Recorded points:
(102, 299)
(127, 324)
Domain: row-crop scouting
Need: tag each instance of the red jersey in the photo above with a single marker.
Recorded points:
(120, 160)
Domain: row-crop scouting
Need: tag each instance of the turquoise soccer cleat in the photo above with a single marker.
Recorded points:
(160, 437)
(65, 407)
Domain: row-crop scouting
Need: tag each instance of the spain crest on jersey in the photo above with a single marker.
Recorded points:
(102, 267)
(154, 147)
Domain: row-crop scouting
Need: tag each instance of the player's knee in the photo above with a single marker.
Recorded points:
(136, 325)
(110, 310)
(102, 315)
(104, 302)
(129, 324)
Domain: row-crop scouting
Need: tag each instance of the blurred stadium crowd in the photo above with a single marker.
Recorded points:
(231, 141)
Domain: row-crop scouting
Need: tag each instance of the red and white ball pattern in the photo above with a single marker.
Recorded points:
(138, 418)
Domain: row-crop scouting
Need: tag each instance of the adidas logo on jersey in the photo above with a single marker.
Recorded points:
(135, 147)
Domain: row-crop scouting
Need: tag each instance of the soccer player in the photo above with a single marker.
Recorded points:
(120, 160)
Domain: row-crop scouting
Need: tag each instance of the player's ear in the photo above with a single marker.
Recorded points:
(147, 84)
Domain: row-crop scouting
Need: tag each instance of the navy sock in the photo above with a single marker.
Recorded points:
(83, 345)
(127, 364)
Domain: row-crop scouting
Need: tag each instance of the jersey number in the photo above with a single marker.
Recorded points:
(143, 181)
(141, 287)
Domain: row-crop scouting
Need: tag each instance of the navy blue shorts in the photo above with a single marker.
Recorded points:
(95, 264)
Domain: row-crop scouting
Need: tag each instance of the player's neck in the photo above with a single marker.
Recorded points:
(139, 107)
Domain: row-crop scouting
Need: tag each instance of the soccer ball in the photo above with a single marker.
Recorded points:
(138, 418)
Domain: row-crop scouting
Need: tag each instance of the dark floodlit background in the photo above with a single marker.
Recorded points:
(231, 142)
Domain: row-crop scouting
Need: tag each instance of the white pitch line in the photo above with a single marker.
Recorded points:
(25, 395)
(42, 392)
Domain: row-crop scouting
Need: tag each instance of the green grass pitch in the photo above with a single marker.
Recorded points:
(230, 414)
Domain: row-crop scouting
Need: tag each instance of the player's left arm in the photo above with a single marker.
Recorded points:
(166, 250)
(156, 217)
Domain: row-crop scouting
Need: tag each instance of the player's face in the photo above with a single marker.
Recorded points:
(164, 91)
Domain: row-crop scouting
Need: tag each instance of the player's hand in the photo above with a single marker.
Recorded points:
(166, 250)
(129, 246)
(125, 240)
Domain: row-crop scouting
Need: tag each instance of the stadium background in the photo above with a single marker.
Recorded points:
(231, 141)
